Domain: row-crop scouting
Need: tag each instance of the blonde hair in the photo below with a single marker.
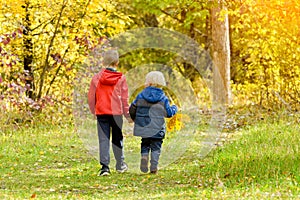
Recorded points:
(155, 78)
(110, 58)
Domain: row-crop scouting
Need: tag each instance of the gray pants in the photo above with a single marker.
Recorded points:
(105, 125)
(153, 145)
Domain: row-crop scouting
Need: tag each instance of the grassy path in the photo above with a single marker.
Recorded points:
(263, 162)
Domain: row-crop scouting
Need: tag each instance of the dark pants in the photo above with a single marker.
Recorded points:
(153, 145)
(105, 124)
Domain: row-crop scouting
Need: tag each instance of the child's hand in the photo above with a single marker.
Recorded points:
(129, 120)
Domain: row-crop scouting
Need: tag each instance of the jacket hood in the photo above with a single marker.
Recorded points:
(152, 94)
(109, 77)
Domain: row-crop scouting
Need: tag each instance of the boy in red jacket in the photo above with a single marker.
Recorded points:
(108, 101)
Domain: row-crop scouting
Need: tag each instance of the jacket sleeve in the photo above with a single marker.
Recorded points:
(133, 107)
(132, 111)
(92, 96)
(124, 97)
(171, 110)
(92, 92)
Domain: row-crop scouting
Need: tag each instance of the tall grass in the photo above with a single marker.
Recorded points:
(265, 155)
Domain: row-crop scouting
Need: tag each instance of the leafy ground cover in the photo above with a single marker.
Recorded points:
(260, 161)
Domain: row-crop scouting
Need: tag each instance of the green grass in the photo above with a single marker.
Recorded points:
(50, 162)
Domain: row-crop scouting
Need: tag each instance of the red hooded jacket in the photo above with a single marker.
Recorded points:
(108, 94)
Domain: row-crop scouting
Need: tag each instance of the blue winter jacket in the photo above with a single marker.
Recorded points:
(148, 111)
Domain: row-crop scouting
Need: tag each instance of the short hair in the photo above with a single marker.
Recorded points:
(110, 57)
(155, 78)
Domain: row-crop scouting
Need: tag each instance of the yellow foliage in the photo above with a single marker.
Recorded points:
(176, 123)
(53, 27)
(265, 60)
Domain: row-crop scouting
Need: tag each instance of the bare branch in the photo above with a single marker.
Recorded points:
(46, 65)
(58, 69)
(45, 23)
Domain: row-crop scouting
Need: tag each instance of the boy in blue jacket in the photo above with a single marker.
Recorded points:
(148, 111)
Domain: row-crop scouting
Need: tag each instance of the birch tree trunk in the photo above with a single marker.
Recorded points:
(220, 56)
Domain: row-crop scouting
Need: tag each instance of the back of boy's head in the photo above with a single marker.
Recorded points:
(155, 78)
(110, 58)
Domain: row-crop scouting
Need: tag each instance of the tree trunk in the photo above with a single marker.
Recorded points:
(28, 52)
(220, 56)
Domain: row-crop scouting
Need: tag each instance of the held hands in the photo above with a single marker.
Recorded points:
(129, 120)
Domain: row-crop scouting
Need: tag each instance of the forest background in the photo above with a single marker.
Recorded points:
(44, 44)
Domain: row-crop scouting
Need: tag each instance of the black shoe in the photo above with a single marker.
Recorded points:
(122, 168)
(154, 171)
(144, 164)
(104, 171)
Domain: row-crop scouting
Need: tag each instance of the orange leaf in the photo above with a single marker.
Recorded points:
(33, 196)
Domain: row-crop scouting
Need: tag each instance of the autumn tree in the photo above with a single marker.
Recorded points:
(263, 37)
(265, 53)
(190, 18)
(44, 44)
